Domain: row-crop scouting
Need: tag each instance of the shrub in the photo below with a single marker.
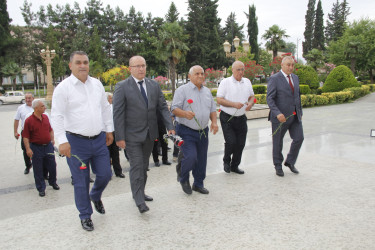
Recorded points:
(321, 100)
(304, 89)
(340, 78)
(259, 89)
(307, 76)
(359, 91)
(261, 98)
(168, 96)
(214, 92)
(372, 87)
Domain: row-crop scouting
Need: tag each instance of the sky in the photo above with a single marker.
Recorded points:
(288, 14)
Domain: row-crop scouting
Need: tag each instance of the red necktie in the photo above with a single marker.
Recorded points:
(291, 84)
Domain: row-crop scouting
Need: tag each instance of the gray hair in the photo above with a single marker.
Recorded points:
(36, 102)
(82, 53)
(235, 63)
(191, 71)
(287, 58)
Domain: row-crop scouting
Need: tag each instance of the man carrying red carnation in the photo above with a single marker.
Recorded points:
(283, 98)
(193, 106)
(235, 96)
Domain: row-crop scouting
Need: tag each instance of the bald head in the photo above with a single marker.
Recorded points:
(238, 69)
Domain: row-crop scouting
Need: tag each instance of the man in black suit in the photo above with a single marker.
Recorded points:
(135, 102)
(284, 101)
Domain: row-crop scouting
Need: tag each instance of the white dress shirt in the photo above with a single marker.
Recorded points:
(80, 108)
(22, 113)
(235, 91)
(286, 77)
(143, 84)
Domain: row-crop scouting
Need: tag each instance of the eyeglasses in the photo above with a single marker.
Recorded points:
(139, 66)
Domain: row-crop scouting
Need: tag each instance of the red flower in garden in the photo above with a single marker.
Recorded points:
(281, 123)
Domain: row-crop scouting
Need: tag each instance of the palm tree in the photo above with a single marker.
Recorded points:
(172, 48)
(274, 37)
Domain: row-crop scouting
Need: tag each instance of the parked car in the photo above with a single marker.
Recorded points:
(12, 97)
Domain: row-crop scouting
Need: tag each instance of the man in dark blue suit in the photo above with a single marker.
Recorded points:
(284, 101)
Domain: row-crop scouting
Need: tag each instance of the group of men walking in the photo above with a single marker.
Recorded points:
(84, 126)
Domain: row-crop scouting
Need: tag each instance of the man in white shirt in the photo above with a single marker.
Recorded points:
(80, 113)
(22, 112)
(235, 96)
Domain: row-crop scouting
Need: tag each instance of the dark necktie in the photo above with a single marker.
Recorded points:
(291, 84)
(143, 92)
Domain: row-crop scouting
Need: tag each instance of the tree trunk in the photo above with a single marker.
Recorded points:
(371, 76)
(172, 68)
(352, 65)
(274, 53)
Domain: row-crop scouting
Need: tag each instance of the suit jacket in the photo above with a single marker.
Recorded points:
(132, 118)
(281, 99)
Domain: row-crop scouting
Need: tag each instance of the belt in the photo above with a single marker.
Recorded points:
(40, 145)
(190, 128)
(84, 136)
(234, 117)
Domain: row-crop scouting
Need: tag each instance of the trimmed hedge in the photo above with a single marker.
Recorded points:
(261, 98)
(308, 76)
(340, 78)
(259, 89)
(359, 91)
(304, 89)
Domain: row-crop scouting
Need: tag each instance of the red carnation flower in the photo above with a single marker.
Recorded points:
(294, 113)
(190, 101)
(255, 100)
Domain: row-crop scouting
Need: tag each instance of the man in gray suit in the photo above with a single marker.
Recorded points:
(136, 100)
(284, 101)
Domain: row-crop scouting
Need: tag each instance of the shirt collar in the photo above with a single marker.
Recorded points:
(285, 75)
(235, 81)
(193, 86)
(136, 80)
(75, 80)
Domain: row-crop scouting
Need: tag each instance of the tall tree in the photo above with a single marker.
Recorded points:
(309, 27)
(274, 37)
(336, 21)
(203, 28)
(5, 37)
(172, 47)
(232, 28)
(289, 48)
(172, 14)
(252, 31)
(318, 39)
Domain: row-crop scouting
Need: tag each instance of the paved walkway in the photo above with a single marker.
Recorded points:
(329, 205)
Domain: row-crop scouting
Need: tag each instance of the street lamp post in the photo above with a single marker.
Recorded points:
(48, 55)
(236, 54)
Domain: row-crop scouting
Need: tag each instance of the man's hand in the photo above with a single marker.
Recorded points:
(121, 144)
(108, 138)
(281, 118)
(189, 115)
(64, 149)
(171, 132)
(237, 105)
(29, 152)
(249, 106)
(16, 135)
(214, 128)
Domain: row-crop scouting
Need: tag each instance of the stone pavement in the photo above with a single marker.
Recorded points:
(329, 205)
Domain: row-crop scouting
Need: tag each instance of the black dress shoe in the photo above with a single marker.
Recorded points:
(201, 190)
(226, 167)
(46, 177)
(157, 164)
(99, 206)
(27, 170)
(55, 186)
(148, 198)
(186, 187)
(292, 167)
(166, 163)
(42, 193)
(238, 171)
(143, 208)
(87, 224)
(120, 175)
(91, 180)
(279, 172)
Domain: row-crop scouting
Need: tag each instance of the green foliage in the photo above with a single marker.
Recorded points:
(307, 76)
(318, 38)
(274, 36)
(336, 21)
(309, 27)
(304, 89)
(261, 98)
(214, 92)
(372, 87)
(315, 58)
(232, 29)
(358, 91)
(260, 89)
(168, 96)
(252, 31)
(340, 78)
(172, 14)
